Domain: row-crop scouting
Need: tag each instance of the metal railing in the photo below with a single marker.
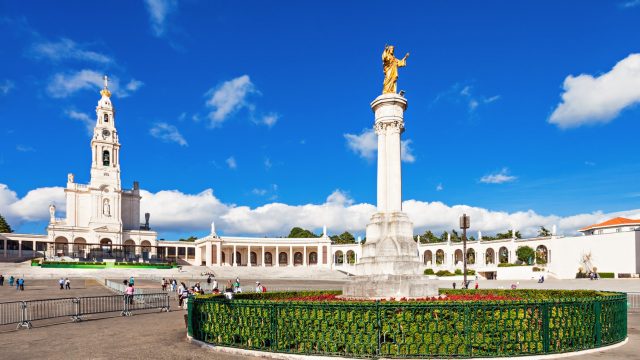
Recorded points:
(121, 288)
(410, 329)
(23, 313)
(633, 301)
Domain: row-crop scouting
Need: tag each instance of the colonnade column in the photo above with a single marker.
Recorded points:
(249, 256)
(263, 265)
(319, 252)
(233, 257)
(219, 254)
(198, 255)
(277, 256)
(304, 256)
(20, 248)
(4, 249)
(208, 254)
(290, 255)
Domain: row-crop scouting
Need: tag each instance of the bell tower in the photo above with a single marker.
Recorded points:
(105, 148)
(105, 187)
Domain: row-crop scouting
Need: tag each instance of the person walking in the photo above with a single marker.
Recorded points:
(131, 281)
(18, 284)
(129, 294)
(454, 285)
(67, 284)
(11, 280)
(1, 280)
(259, 287)
(61, 283)
(21, 284)
(476, 285)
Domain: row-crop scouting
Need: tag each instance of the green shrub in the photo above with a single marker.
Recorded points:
(458, 272)
(525, 254)
(606, 275)
(72, 263)
(444, 273)
(444, 329)
(535, 268)
(428, 271)
(511, 265)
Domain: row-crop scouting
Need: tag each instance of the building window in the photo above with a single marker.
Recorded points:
(106, 118)
(618, 229)
(106, 159)
(599, 232)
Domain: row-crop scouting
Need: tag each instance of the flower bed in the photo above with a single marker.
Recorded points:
(73, 264)
(469, 323)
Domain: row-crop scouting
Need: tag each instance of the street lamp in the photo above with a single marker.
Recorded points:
(465, 223)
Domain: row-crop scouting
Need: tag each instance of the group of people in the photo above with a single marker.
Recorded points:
(170, 284)
(64, 284)
(18, 282)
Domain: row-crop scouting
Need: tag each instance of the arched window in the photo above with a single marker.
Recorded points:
(297, 258)
(428, 257)
(503, 255)
(106, 118)
(313, 258)
(439, 257)
(490, 257)
(541, 255)
(268, 258)
(471, 256)
(238, 258)
(457, 255)
(253, 258)
(106, 159)
(282, 259)
(339, 258)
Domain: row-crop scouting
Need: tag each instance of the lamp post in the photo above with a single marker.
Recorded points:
(465, 223)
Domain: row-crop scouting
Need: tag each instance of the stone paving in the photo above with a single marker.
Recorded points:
(157, 335)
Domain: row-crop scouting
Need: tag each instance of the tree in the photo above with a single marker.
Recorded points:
(455, 237)
(428, 238)
(525, 254)
(444, 236)
(4, 225)
(344, 238)
(508, 235)
(544, 232)
(298, 232)
(189, 239)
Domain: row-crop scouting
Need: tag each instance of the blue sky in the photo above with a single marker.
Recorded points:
(523, 113)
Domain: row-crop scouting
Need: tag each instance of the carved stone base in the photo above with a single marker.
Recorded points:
(389, 286)
(390, 265)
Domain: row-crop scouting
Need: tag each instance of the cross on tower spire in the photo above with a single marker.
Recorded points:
(105, 91)
(106, 81)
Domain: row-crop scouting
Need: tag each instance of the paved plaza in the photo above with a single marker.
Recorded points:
(160, 335)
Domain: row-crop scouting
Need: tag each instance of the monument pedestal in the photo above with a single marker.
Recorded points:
(390, 265)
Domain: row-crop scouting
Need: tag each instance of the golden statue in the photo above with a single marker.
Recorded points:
(390, 67)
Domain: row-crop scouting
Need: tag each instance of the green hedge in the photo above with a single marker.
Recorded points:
(429, 272)
(511, 265)
(144, 265)
(546, 322)
(73, 264)
(606, 275)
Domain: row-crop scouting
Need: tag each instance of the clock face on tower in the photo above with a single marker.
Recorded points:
(105, 133)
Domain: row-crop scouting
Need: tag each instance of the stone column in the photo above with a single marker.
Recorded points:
(4, 249)
(263, 265)
(319, 252)
(277, 256)
(198, 255)
(219, 254)
(20, 248)
(208, 254)
(249, 256)
(380, 130)
(394, 176)
(304, 256)
(290, 255)
(234, 261)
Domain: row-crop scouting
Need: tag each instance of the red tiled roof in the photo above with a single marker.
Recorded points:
(613, 222)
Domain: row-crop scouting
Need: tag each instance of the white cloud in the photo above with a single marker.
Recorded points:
(591, 100)
(231, 162)
(406, 153)
(229, 97)
(25, 148)
(499, 177)
(66, 49)
(267, 163)
(270, 119)
(34, 206)
(158, 12)
(84, 118)
(365, 145)
(175, 211)
(458, 93)
(167, 133)
(439, 187)
(259, 192)
(630, 4)
(66, 84)
(6, 86)
(133, 85)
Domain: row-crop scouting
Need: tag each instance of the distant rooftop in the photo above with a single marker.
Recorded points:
(619, 221)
